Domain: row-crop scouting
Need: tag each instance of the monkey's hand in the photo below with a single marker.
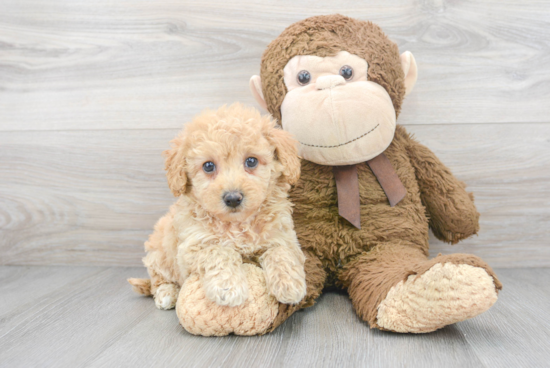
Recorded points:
(453, 215)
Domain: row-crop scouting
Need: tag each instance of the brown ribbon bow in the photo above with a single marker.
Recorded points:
(347, 186)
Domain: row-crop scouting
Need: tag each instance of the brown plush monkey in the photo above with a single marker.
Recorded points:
(368, 191)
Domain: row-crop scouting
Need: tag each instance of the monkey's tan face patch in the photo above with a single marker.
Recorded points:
(338, 119)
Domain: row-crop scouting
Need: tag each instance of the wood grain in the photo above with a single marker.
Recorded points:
(22, 286)
(92, 319)
(525, 296)
(142, 65)
(69, 323)
(92, 197)
(91, 93)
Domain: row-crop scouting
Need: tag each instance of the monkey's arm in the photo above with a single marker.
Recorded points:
(453, 215)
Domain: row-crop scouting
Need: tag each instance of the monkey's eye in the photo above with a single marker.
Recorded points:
(303, 77)
(208, 167)
(347, 72)
(251, 162)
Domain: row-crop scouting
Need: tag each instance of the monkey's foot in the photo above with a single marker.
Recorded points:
(201, 316)
(445, 294)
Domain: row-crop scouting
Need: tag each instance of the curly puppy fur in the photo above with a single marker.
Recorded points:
(202, 235)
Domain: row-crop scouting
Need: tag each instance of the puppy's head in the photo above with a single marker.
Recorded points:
(230, 160)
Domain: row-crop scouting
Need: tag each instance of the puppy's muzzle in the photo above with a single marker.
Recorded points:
(233, 199)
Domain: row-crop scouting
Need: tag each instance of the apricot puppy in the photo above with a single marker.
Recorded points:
(231, 170)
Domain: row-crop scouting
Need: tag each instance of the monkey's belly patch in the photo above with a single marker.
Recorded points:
(342, 144)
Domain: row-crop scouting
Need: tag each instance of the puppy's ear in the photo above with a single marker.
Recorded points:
(175, 167)
(286, 150)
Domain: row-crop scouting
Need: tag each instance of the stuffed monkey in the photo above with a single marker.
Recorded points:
(369, 192)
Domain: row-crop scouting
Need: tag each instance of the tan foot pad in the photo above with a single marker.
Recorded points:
(200, 316)
(443, 295)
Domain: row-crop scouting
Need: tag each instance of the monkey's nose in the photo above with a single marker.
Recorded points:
(329, 81)
(232, 199)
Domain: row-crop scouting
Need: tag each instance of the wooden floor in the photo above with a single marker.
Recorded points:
(88, 317)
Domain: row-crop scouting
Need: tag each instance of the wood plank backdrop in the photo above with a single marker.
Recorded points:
(92, 92)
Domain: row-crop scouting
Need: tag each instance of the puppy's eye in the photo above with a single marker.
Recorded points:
(208, 167)
(251, 162)
(303, 77)
(347, 72)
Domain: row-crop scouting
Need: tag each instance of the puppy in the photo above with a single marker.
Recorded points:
(231, 170)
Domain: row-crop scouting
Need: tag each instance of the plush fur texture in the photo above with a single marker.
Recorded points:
(326, 36)
(200, 316)
(203, 236)
(354, 121)
(468, 291)
(392, 244)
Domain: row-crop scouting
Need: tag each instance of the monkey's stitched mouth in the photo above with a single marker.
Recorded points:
(342, 144)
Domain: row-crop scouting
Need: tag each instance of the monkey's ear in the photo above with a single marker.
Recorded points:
(175, 167)
(256, 89)
(286, 149)
(411, 71)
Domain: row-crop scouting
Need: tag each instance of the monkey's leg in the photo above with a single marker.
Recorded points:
(315, 281)
(259, 315)
(395, 287)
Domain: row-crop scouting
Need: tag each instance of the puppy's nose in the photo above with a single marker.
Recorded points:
(233, 199)
(329, 81)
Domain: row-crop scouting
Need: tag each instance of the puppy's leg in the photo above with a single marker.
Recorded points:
(315, 281)
(161, 264)
(284, 273)
(223, 277)
(164, 292)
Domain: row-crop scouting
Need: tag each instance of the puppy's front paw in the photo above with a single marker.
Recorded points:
(166, 296)
(288, 286)
(227, 290)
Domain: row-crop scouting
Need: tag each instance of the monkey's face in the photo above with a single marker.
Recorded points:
(334, 111)
(317, 81)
